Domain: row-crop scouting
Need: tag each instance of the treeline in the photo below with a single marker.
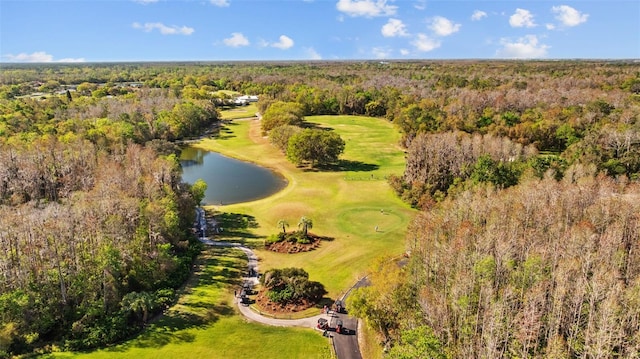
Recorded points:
(546, 269)
(549, 103)
(139, 117)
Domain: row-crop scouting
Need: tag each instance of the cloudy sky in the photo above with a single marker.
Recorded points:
(227, 30)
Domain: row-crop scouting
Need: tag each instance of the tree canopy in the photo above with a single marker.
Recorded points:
(291, 285)
(315, 146)
(282, 113)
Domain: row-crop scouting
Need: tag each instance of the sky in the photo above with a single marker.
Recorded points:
(274, 30)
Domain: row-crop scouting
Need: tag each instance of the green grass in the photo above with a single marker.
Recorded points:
(205, 324)
(344, 202)
(239, 112)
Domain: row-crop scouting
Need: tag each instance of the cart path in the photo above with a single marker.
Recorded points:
(309, 322)
(345, 346)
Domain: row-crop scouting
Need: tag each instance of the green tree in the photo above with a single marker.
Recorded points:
(315, 146)
(499, 173)
(280, 136)
(420, 342)
(289, 285)
(198, 190)
(306, 224)
(283, 224)
(140, 303)
(282, 113)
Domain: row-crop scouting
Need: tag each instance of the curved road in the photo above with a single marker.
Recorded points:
(345, 345)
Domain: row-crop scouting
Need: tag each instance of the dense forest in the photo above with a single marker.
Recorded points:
(525, 172)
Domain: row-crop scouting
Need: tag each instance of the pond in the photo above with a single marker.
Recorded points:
(228, 180)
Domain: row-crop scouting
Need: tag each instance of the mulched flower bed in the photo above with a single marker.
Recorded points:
(295, 247)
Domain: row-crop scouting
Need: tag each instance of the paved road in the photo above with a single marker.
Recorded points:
(346, 344)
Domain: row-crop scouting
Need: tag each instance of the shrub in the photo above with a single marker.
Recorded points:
(290, 285)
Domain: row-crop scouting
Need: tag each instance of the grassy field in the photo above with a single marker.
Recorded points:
(346, 203)
(205, 323)
(240, 112)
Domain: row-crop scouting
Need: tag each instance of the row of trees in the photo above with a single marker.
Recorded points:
(586, 108)
(283, 121)
(139, 117)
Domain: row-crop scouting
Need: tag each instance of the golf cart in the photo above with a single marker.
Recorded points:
(323, 324)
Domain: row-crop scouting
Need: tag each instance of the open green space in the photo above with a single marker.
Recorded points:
(205, 323)
(346, 202)
(237, 112)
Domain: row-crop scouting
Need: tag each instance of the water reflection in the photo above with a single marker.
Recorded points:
(229, 180)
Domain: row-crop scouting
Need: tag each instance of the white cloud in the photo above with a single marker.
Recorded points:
(442, 26)
(522, 18)
(164, 29)
(550, 26)
(424, 43)
(284, 43)
(145, 1)
(366, 8)
(80, 59)
(312, 54)
(569, 16)
(236, 40)
(219, 3)
(404, 52)
(393, 28)
(478, 15)
(526, 47)
(381, 52)
(38, 56)
(420, 4)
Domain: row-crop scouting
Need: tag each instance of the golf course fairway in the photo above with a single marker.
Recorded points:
(352, 205)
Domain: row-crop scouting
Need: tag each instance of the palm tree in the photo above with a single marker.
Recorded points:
(139, 303)
(284, 224)
(305, 223)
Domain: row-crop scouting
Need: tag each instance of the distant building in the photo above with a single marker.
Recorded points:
(245, 100)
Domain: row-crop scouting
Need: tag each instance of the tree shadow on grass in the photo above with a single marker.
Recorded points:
(223, 131)
(236, 227)
(344, 166)
(217, 267)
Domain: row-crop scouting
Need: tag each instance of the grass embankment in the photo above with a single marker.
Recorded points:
(205, 324)
(346, 203)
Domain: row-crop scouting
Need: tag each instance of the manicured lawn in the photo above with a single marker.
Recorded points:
(205, 324)
(240, 112)
(345, 203)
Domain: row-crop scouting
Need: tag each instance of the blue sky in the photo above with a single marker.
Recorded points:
(231, 30)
